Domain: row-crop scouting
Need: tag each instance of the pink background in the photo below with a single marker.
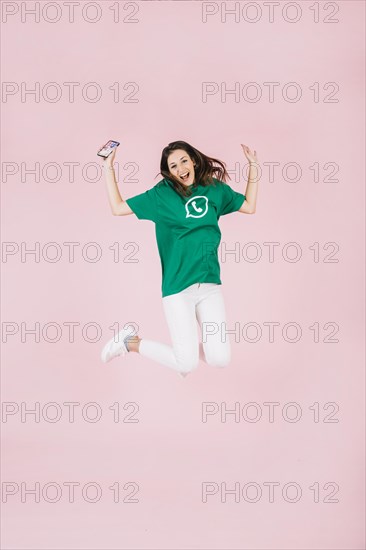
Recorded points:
(170, 452)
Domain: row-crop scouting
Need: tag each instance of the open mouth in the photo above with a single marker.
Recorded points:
(184, 177)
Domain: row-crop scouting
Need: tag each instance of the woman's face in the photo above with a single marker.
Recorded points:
(180, 164)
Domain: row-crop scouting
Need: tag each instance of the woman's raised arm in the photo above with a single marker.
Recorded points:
(119, 207)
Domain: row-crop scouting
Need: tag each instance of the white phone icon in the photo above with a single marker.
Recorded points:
(197, 208)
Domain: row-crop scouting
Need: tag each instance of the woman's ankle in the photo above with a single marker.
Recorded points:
(133, 343)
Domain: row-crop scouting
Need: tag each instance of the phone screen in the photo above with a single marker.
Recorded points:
(107, 148)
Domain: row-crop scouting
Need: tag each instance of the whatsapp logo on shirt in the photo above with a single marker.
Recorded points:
(196, 207)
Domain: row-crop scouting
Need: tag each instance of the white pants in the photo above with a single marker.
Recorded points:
(202, 303)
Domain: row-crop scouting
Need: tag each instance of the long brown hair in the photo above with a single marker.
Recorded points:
(204, 169)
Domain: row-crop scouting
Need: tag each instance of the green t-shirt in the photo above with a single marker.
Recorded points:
(186, 229)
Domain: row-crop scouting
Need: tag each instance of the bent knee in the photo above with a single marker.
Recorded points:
(219, 361)
(187, 366)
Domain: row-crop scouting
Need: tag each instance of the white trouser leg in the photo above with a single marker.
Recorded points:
(202, 302)
(215, 347)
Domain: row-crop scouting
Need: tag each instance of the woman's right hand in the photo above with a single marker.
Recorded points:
(110, 159)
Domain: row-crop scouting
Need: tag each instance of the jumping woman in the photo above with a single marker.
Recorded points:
(185, 207)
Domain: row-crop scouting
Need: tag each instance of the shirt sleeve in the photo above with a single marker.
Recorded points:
(231, 200)
(145, 205)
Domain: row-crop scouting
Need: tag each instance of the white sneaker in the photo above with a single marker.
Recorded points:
(116, 345)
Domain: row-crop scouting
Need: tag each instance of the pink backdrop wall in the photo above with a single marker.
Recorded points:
(311, 193)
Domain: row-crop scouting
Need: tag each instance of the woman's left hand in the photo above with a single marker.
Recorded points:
(252, 157)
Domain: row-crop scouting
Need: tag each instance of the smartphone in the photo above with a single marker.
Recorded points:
(107, 149)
